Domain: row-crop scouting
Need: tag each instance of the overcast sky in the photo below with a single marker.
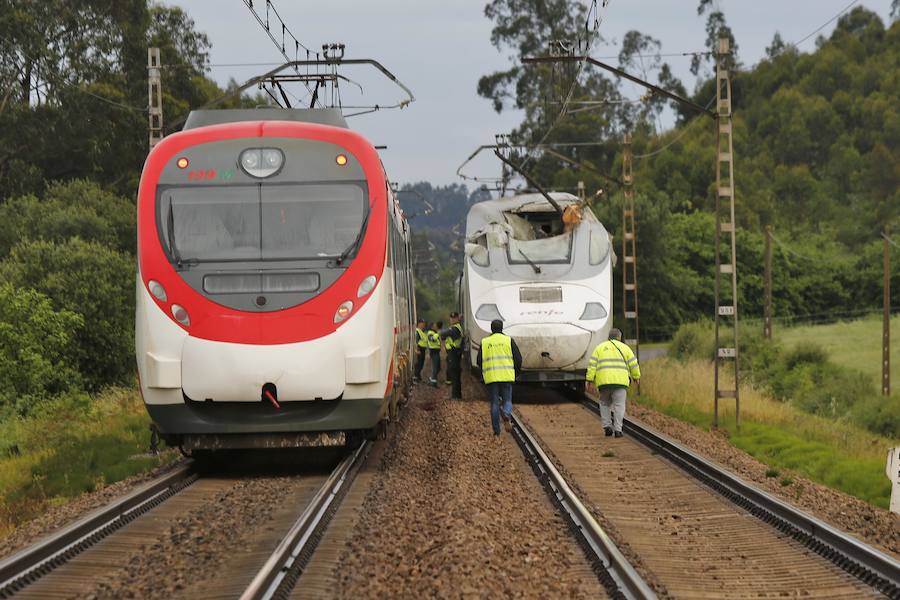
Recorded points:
(440, 48)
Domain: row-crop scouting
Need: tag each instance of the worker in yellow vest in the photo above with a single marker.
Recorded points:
(453, 342)
(500, 362)
(421, 348)
(610, 371)
(434, 351)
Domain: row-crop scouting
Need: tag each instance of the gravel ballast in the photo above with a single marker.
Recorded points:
(457, 512)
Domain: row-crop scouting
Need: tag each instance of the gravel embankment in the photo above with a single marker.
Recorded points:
(870, 524)
(458, 513)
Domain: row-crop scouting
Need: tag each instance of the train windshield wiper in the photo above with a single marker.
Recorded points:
(180, 263)
(536, 268)
(343, 256)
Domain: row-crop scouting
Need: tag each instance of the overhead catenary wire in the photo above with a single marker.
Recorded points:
(285, 31)
(825, 24)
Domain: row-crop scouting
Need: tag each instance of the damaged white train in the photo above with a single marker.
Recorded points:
(545, 270)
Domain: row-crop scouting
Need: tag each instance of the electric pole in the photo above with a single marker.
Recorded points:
(886, 335)
(154, 80)
(629, 252)
(767, 309)
(726, 307)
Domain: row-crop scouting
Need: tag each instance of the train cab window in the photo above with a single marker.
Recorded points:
(538, 237)
(310, 220)
(211, 223)
(261, 222)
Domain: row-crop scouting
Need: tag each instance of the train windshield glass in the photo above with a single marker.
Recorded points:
(538, 237)
(261, 222)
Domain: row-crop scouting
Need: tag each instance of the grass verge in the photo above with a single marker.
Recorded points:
(71, 445)
(854, 344)
(832, 452)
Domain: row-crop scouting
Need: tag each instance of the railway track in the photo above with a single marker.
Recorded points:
(695, 527)
(29, 565)
(618, 576)
(177, 526)
(279, 574)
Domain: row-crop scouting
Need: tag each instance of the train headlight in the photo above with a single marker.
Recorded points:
(367, 285)
(592, 311)
(158, 291)
(181, 315)
(261, 162)
(488, 312)
(343, 311)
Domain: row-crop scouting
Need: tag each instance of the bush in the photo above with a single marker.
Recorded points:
(879, 414)
(67, 210)
(693, 340)
(829, 390)
(36, 349)
(93, 281)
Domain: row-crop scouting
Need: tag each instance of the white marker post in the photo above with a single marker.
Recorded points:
(893, 472)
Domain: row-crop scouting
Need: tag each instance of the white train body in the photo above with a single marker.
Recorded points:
(550, 283)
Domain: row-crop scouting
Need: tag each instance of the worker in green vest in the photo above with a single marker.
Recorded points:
(500, 362)
(453, 342)
(421, 347)
(434, 350)
(612, 367)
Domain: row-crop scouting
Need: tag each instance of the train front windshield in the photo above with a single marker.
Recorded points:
(261, 222)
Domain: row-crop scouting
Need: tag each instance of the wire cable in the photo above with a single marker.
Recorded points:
(825, 24)
(684, 130)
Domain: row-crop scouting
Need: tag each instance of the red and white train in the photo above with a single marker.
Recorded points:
(275, 298)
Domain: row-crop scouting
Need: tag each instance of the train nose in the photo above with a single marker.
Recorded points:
(550, 345)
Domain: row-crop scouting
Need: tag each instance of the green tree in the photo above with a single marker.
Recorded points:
(36, 345)
(67, 210)
(94, 282)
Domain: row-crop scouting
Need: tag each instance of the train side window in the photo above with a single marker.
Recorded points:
(599, 246)
(477, 250)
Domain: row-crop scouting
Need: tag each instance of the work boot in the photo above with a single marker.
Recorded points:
(507, 422)
(618, 434)
(608, 431)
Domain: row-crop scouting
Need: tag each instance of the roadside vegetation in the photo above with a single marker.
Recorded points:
(68, 445)
(855, 344)
(833, 452)
(803, 407)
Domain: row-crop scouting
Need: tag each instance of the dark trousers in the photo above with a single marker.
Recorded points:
(454, 373)
(435, 362)
(420, 360)
(500, 395)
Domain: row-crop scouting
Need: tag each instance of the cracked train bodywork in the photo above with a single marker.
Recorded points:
(549, 279)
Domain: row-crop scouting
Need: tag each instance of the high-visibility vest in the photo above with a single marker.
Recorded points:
(434, 340)
(613, 363)
(452, 344)
(421, 339)
(497, 358)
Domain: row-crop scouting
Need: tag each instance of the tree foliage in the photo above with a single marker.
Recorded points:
(816, 148)
(94, 282)
(36, 348)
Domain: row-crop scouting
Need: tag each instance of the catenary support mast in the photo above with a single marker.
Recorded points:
(726, 264)
(154, 80)
(629, 253)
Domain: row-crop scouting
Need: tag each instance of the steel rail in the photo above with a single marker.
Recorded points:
(273, 578)
(868, 564)
(30, 564)
(624, 577)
